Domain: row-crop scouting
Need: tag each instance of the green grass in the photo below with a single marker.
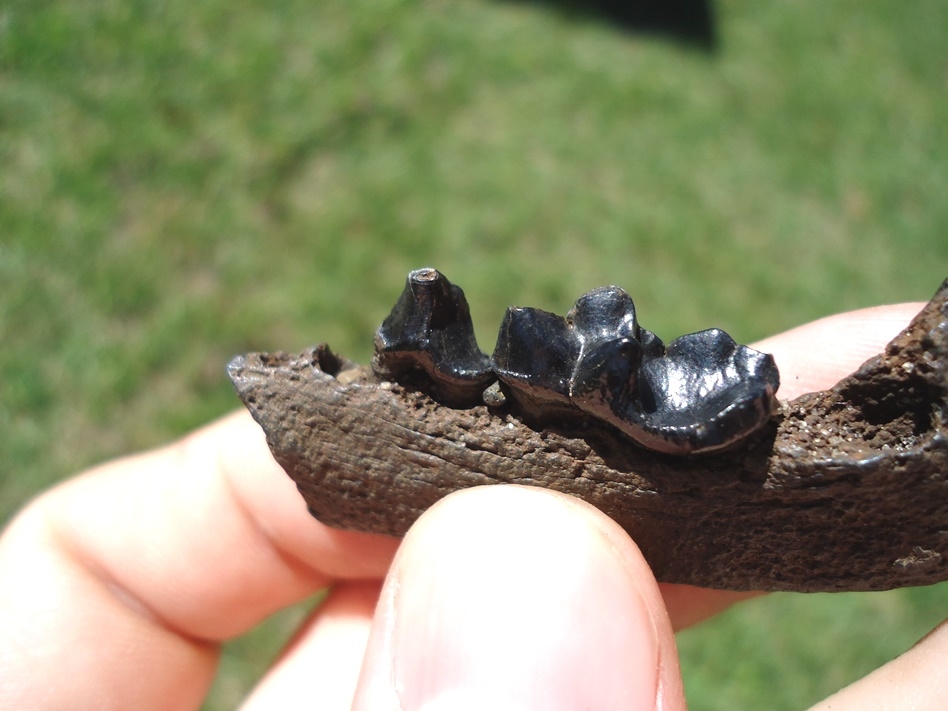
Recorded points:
(787, 651)
(182, 182)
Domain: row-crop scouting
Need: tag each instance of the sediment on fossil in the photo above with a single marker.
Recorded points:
(701, 393)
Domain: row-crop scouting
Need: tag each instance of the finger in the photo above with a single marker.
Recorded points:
(519, 598)
(214, 536)
(171, 551)
(68, 639)
(320, 667)
(916, 680)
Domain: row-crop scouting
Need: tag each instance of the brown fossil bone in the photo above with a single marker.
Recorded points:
(844, 489)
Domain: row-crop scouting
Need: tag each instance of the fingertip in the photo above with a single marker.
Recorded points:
(525, 597)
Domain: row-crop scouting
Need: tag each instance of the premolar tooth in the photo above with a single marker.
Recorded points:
(429, 332)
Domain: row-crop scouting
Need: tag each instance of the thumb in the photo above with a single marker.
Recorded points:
(508, 597)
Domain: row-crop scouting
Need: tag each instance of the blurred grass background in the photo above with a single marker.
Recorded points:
(182, 182)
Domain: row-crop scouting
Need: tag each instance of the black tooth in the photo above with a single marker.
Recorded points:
(706, 394)
(535, 355)
(429, 331)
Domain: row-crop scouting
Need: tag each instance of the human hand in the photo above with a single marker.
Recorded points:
(117, 587)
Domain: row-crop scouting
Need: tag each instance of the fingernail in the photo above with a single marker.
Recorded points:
(513, 599)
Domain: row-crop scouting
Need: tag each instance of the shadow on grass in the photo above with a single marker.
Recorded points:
(687, 21)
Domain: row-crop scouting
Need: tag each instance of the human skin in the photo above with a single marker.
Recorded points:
(118, 586)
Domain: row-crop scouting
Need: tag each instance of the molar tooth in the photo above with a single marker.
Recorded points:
(705, 395)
